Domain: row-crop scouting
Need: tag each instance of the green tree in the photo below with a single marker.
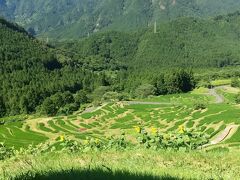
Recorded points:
(81, 97)
(237, 99)
(98, 93)
(2, 107)
(235, 82)
(48, 107)
(160, 86)
(145, 90)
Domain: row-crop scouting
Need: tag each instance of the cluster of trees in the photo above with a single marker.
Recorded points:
(63, 103)
(175, 81)
(34, 75)
(38, 77)
(236, 83)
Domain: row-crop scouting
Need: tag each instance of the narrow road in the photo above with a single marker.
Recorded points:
(219, 98)
(150, 103)
(226, 133)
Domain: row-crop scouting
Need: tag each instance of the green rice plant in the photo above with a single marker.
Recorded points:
(42, 127)
(235, 137)
(64, 125)
(52, 124)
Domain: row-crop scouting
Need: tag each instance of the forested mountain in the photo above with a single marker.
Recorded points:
(76, 18)
(185, 42)
(32, 74)
(50, 79)
(36, 77)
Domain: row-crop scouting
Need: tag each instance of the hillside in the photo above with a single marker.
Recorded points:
(35, 74)
(185, 42)
(76, 18)
(32, 71)
(119, 89)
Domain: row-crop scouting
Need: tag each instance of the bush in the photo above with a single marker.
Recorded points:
(81, 97)
(110, 96)
(205, 84)
(180, 140)
(200, 106)
(235, 82)
(68, 109)
(145, 90)
(237, 99)
(98, 93)
(5, 152)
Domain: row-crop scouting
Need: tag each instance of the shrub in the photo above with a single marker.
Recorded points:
(237, 99)
(145, 90)
(180, 140)
(68, 109)
(110, 96)
(5, 152)
(199, 106)
(235, 82)
(81, 97)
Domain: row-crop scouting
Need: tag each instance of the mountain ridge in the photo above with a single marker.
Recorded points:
(74, 19)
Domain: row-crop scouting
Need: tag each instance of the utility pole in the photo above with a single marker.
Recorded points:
(155, 27)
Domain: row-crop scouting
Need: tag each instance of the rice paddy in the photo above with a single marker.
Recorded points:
(166, 113)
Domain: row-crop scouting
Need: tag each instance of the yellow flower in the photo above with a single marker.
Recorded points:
(181, 129)
(154, 130)
(97, 141)
(137, 129)
(62, 138)
(86, 142)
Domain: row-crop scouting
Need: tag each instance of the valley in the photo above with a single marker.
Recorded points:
(165, 113)
(119, 89)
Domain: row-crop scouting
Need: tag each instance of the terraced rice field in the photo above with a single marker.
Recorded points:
(163, 112)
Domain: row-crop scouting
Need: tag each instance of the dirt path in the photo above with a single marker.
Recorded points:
(93, 109)
(219, 98)
(225, 134)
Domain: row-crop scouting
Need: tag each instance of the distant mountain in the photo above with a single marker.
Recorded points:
(32, 71)
(184, 42)
(76, 18)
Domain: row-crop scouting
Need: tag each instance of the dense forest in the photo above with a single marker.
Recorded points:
(185, 42)
(31, 72)
(36, 77)
(58, 78)
(71, 19)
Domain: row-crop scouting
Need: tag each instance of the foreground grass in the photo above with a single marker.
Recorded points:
(133, 164)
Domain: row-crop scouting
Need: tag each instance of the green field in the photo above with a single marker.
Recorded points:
(133, 164)
(166, 113)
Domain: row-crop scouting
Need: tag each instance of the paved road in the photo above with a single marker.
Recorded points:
(150, 103)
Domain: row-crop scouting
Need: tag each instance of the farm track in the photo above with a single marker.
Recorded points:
(146, 103)
(213, 92)
(225, 134)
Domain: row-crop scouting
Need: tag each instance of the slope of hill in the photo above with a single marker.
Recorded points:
(31, 72)
(34, 74)
(185, 42)
(77, 18)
